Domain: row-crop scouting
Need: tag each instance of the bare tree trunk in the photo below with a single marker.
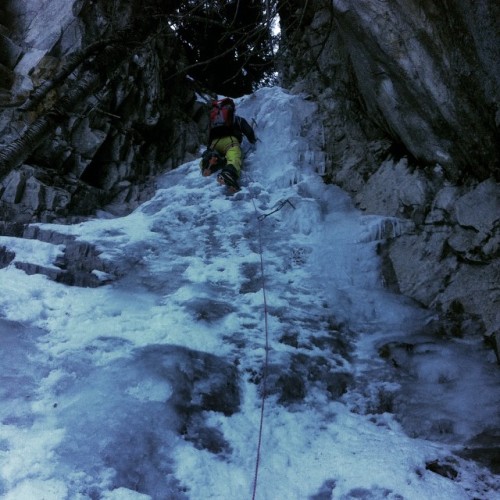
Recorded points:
(75, 60)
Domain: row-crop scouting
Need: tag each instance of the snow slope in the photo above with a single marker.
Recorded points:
(152, 386)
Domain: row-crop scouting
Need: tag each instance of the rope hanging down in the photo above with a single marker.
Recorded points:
(266, 359)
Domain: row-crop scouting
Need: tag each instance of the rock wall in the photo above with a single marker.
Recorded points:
(408, 95)
(91, 107)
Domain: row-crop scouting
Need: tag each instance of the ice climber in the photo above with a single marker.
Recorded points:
(224, 143)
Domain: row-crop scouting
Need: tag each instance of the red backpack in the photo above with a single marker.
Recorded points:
(222, 113)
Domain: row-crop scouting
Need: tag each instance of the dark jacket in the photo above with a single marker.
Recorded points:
(240, 127)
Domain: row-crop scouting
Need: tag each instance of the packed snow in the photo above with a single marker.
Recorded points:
(237, 353)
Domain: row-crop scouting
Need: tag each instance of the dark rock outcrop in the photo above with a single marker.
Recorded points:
(78, 263)
(90, 109)
(422, 76)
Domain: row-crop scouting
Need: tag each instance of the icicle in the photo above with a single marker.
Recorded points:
(380, 228)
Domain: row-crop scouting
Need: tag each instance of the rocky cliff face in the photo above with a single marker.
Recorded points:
(90, 107)
(408, 93)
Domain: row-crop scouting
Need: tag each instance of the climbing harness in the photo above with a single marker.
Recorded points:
(280, 205)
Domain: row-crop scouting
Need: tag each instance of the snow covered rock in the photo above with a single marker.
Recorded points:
(455, 256)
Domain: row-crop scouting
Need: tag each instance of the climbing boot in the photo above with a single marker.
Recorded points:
(228, 176)
(211, 161)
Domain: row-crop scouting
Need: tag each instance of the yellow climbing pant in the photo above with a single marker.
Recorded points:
(230, 148)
